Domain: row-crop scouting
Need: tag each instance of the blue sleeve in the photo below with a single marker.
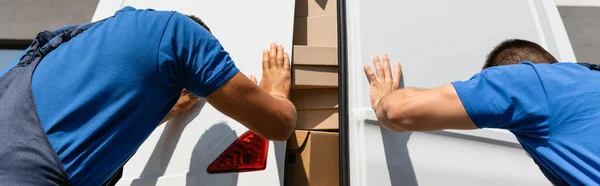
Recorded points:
(192, 58)
(507, 97)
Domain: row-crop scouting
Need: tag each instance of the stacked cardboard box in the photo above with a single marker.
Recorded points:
(315, 44)
(313, 156)
(312, 159)
(314, 67)
(317, 109)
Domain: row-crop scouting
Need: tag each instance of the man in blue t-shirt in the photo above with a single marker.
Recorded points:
(552, 108)
(100, 95)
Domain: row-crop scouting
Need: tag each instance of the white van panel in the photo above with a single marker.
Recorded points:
(179, 152)
(440, 41)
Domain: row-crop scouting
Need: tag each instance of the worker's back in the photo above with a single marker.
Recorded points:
(101, 94)
(573, 93)
(552, 110)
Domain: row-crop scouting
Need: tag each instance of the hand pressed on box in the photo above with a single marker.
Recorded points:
(276, 78)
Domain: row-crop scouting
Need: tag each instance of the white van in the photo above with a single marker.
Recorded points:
(437, 41)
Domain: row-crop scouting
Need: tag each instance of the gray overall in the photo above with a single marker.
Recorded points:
(26, 156)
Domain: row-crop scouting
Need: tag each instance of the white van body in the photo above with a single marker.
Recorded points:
(437, 41)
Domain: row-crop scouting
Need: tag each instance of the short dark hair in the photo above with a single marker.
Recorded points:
(515, 51)
(199, 21)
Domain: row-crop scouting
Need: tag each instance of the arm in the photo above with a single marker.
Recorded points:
(265, 110)
(258, 104)
(192, 58)
(509, 97)
(413, 109)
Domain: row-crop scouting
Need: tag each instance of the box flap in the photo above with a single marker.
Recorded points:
(306, 8)
(317, 163)
(297, 140)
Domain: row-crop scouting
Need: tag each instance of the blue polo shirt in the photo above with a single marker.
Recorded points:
(100, 95)
(552, 109)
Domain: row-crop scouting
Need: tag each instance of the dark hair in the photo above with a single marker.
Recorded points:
(199, 21)
(515, 51)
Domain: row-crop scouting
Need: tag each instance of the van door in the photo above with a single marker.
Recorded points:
(437, 41)
(203, 147)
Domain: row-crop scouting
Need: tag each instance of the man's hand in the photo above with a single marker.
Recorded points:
(384, 82)
(186, 101)
(276, 77)
(266, 108)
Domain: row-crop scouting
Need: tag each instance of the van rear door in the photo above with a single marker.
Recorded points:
(437, 41)
(193, 149)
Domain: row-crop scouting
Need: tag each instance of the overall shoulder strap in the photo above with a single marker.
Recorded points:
(590, 66)
(47, 41)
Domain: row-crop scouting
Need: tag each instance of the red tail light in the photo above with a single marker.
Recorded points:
(247, 153)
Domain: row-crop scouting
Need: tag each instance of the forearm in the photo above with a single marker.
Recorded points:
(287, 111)
(272, 117)
(393, 110)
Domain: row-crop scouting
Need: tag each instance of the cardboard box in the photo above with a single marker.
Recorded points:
(316, 31)
(314, 77)
(315, 98)
(305, 8)
(312, 159)
(312, 55)
(318, 119)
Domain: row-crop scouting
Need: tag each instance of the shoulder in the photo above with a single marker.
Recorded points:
(501, 82)
(128, 11)
(564, 68)
(499, 97)
(564, 74)
(141, 18)
(156, 20)
(502, 75)
(183, 24)
(524, 69)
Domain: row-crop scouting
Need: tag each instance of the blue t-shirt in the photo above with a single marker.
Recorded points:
(100, 95)
(552, 109)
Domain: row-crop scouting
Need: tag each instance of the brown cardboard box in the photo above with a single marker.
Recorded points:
(305, 8)
(316, 30)
(311, 55)
(313, 159)
(315, 98)
(317, 119)
(314, 77)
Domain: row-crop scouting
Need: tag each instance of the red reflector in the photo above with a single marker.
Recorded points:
(247, 153)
